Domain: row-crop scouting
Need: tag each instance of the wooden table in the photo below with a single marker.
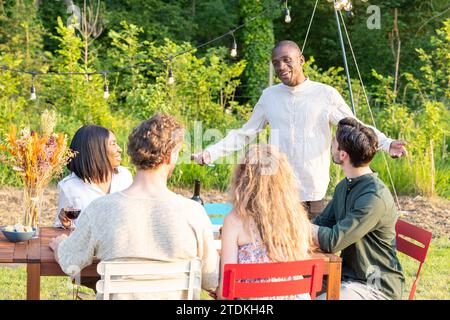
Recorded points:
(39, 258)
(40, 261)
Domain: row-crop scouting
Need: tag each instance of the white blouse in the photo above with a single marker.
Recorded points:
(73, 186)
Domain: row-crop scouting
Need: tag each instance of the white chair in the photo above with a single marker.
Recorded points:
(149, 277)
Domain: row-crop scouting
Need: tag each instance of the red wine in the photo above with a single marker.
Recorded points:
(196, 196)
(72, 214)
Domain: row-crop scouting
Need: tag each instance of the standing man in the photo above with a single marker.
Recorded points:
(360, 220)
(300, 112)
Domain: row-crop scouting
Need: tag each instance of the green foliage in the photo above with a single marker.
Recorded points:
(258, 41)
(420, 116)
(208, 82)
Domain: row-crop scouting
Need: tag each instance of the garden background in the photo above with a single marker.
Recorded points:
(405, 65)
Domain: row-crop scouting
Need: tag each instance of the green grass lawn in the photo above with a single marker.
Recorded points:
(434, 282)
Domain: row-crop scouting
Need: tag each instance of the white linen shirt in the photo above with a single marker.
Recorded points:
(300, 121)
(73, 186)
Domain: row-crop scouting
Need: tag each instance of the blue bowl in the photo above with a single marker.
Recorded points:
(14, 236)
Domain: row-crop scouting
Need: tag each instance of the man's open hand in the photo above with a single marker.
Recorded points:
(201, 158)
(397, 149)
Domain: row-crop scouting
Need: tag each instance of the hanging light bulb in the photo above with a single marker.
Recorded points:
(287, 13)
(348, 7)
(170, 79)
(33, 93)
(33, 89)
(287, 16)
(233, 50)
(340, 4)
(105, 87)
(105, 91)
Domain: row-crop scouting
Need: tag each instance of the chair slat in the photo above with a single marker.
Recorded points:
(275, 269)
(411, 249)
(142, 268)
(146, 286)
(421, 235)
(273, 289)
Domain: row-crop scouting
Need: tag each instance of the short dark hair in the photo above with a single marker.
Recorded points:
(151, 142)
(288, 43)
(91, 163)
(358, 140)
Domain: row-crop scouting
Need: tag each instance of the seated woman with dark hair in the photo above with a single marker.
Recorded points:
(96, 171)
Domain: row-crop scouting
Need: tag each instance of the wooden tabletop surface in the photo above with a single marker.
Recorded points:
(38, 250)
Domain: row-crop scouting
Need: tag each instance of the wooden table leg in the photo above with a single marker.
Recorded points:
(334, 281)
(33, 281)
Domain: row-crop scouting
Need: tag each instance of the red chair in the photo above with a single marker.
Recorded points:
(413, 250)
(234, 274)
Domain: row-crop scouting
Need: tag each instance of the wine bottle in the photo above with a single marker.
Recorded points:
(196, 196)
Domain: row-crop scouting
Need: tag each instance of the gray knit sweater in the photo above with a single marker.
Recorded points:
(166, 228)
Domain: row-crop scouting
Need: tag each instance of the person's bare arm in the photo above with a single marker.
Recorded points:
(54, 245)
(315, 234)
(229, 254)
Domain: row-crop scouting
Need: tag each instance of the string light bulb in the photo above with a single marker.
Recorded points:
(33, 93)
(341, 4)
(287, 14)
(105, 87)
(33, 89)
(348, 7)
(171, 79)
(233, 50)
(105, 91)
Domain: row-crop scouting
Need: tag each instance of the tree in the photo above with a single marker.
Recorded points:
(258, 41)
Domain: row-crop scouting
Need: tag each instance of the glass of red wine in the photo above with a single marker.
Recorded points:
(72, 208)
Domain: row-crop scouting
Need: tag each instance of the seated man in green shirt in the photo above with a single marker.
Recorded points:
(360, 220)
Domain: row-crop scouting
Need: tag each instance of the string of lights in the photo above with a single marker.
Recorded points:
(339, 5)
(168, 60)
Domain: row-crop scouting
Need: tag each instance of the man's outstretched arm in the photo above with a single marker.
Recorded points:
(340, 110)
(236, 139)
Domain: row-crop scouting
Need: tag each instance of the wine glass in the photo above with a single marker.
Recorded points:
(72, 208)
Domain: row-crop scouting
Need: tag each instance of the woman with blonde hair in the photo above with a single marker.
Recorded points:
(268, 222)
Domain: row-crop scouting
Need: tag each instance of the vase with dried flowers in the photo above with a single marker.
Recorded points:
(36, 158)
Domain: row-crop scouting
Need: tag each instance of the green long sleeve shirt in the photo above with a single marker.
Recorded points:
(360, 222)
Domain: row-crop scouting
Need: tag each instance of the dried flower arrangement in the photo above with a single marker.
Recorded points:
(36, 158)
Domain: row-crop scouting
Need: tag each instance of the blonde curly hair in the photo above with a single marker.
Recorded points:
(264, 191)
(151, 142)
